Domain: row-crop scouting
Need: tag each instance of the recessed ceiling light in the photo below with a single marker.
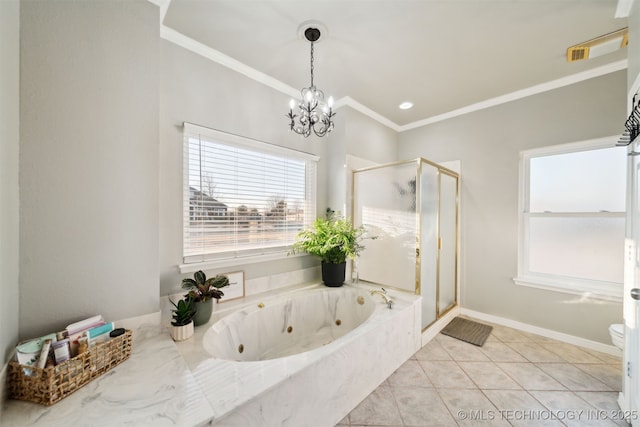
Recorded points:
(405, 105)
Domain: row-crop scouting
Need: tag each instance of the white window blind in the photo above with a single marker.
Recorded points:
(243, 197)
(573, 218)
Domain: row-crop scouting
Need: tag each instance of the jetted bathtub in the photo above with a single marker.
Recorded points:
(303, 357)
(290, 325)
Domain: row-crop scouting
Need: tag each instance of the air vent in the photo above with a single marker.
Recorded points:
(599, 46)
(577, 53)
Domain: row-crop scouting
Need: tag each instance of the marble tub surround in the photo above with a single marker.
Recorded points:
(154, 387)
(317, 387)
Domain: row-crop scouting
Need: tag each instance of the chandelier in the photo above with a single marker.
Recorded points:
(313, 113)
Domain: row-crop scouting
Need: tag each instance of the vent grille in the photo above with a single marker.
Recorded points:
(577, 53)
(599, 46)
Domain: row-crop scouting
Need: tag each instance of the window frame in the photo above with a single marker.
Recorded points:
(191, 263)
(611, 291)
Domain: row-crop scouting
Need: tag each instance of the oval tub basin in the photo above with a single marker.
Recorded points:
(281, 327)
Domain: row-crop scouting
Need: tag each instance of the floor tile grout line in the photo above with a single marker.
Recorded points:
(497, 367)
(395, 402)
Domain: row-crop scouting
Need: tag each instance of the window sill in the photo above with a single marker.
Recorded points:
(607, 291)
(234, 262)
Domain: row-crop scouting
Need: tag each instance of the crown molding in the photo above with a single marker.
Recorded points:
(214, 55)
(225, 60)
(523, 93)
(348, 101)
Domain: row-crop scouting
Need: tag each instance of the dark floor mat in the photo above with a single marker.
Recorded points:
(468, 331)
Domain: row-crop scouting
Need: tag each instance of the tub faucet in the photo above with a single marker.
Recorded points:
(383, 294)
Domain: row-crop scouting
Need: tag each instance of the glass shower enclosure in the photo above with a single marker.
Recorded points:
(411, 208)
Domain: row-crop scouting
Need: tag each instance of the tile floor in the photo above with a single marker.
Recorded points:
(516, 378)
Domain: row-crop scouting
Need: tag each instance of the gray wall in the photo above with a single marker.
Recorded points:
(195, 89)
(89, 158)
(488, 143)
(9, 148)
(357, 135)
(368, 139)
(101, 167)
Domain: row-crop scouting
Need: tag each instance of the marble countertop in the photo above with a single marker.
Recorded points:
(165, 383)
(144, 390)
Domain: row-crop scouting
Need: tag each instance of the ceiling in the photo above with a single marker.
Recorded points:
(442, 55)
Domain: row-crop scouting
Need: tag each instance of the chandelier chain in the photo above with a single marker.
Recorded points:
(311, 64)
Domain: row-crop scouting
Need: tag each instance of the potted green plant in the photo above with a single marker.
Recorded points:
(203, 291)
(333, 239)
(182, 323)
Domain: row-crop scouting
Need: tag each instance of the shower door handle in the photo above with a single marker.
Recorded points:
(635, 293)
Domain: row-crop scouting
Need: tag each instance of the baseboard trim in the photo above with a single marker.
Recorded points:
(433, 330)
(560, 336)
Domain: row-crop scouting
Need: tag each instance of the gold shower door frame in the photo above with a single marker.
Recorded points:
(441, 170)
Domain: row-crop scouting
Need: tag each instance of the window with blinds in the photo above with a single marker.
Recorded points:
(243, 197)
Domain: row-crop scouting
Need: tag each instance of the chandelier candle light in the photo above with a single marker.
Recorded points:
(313, 113)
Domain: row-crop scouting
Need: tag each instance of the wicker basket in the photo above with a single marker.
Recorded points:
(49, 385)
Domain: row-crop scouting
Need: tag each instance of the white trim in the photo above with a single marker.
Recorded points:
(523, 93)
(607, 291)
(347, 100)
(572, 147)
(594, 289)
(549, 333)
(226, 61)
(191, 129)
(433, 330)
(214, 55)
(241, 255)
(234, 262)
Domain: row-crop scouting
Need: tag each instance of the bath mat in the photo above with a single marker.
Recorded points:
(468, 331)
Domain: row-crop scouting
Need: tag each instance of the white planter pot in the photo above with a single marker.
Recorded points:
(181, 333)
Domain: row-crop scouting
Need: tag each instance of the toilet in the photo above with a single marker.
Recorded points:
(617, 335)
